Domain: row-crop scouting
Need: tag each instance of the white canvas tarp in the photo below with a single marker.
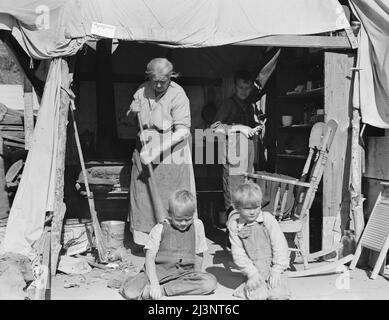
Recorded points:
(371, 85)
(35, 194)
(60, 27)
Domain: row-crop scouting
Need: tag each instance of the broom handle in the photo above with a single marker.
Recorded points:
(82, 162)
(159, 212)
(99, 239)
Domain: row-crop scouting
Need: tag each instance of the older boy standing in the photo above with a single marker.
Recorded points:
(235, 118)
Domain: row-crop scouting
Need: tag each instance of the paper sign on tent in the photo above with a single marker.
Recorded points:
(103, 30)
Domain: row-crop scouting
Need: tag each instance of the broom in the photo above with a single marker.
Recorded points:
(100, 240)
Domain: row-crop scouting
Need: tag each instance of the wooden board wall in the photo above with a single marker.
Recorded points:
(337, 105)
(377, 158)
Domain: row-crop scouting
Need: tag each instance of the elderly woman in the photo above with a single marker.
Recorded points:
(165, 114)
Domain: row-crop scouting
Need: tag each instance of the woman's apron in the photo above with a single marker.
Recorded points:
(169, 177)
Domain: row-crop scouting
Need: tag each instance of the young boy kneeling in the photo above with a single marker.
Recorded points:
(258, 247)
(174, 256)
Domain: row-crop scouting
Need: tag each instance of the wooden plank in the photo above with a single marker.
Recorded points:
(351, 37)
(372, 189)
(339, 42)
(28, 113)
(326, 268)
(322, 253)
(185, 81)
(14, 144)
(337, 105)
(377, 158)
(4, 128)
(12, 137)
(16, 135)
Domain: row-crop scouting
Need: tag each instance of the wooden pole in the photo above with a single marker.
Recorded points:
(59, 205)
(43, 281)
(28, 113)
(356, 178)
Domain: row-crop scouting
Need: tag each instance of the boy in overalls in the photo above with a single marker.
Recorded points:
(258, 247)
(174, 256)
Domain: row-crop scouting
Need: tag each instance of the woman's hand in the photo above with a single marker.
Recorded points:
(149, 153)
(134, 107)
(152, 144)
(253, 282)
(155, 291)
(246, 130)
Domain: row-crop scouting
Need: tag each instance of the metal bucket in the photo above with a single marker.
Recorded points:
(77, 236)
(113, 231)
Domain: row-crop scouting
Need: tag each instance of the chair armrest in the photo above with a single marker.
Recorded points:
(295, 182)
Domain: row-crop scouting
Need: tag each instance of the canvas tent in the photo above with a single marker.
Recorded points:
(61, 28)
(371, 91)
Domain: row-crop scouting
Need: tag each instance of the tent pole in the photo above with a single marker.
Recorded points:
(59, 205)
(356, 177)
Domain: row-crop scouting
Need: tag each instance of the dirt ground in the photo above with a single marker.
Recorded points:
(349, 285)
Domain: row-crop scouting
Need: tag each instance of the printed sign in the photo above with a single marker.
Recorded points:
(103, 30)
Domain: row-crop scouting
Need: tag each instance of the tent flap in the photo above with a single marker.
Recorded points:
(35, 194)
(371, 85)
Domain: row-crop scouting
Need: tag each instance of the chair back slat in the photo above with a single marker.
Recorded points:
(277, 196)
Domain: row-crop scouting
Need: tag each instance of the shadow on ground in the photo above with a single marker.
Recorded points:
(226, 277)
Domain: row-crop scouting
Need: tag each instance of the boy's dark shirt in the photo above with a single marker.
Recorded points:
(235, 111)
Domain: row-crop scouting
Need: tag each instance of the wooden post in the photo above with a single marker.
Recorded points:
(59, 205)
(28, 113)
(337, 105)
(356, 178)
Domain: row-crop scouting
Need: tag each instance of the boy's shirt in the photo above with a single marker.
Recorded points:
(280, 259)
(155, 237)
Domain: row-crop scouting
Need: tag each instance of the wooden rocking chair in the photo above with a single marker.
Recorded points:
(290, 199)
